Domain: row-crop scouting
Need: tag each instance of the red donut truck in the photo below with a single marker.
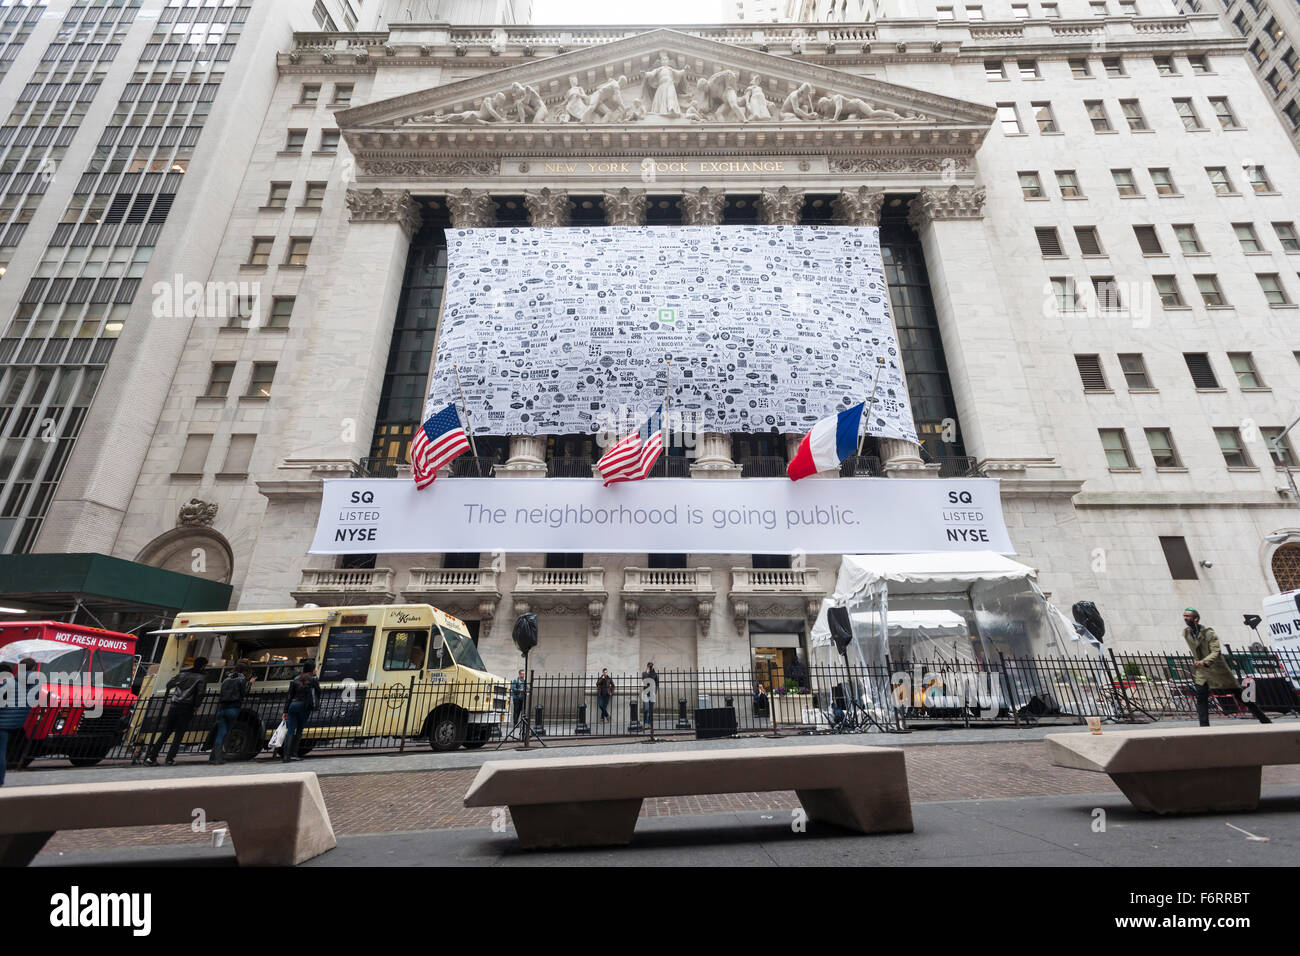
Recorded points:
(86, 696)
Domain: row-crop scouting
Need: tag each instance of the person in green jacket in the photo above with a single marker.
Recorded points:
(1210, 670)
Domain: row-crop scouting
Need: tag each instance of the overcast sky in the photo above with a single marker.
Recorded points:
(594, 12)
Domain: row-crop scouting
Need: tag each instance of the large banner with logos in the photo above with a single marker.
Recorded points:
(742, 516)
(560, 331)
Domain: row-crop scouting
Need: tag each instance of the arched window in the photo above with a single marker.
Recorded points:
(1286, 567)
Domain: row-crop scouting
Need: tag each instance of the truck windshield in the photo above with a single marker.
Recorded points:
(462, 649)
(116, 668)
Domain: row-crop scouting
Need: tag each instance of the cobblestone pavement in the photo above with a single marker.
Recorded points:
(400, 801)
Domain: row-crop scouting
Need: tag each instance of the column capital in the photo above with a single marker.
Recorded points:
(385, 205)
(781, 206)
(955, 202)
(471, 208)
(548, 207)
(625, 207)
(703, 206)
(858, 207)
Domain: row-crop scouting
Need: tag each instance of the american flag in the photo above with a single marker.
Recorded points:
(437, 442)
(632, 457)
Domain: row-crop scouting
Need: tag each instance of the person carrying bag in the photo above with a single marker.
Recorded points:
(304, 697)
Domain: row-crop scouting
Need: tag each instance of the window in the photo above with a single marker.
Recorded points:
(329, 141)
(1097, 114)
(238, 455)
(1245, 233)
(295, 141)
(1090, 372)
(1219, 180)
(1234, 451)
(1098, 9)
(1009, 119)
(219, 380)
(1161, 443)
(1163, 180)
(299, 247)
(1115, 445)
(994, 70)
(1179, 559)
(660, 560)
(1028, 69)
(1167, 289)
(259, 384)
(310, 94)
(279, 196)
(1286, 235)
(1223, 112)
(1128, 8)
(1165, 66)
(342, 94)
(1241, 23)
(1068, 183)
(1020, 11)
(1063, 290)
(1051, 11)
(1089, 241)
(1198, 364)
(1283, 454)
(1113, 65)
(1292, 112)
(1211, 294)
(1134, 368)
(1274, 291)
(562, 560)
(1292, 60)
(1079, 68)
(975, 13)
(281, 311)
(1148, 240)
(1187, 112)
(1043, 116)
(1275, 82)
(195, 455)
(1106, 290)
(1049, 243)
(1243, 366)
(1124, 182)
(1133, 113)
(405, 650)
(313, 196)
(1199, 64)
(1258, 179)
(1188, 241)
(1258, 52)
(1031, 187)
(260, 254)
(1273, 30)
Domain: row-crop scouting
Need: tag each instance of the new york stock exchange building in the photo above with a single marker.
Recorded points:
(1086, 223)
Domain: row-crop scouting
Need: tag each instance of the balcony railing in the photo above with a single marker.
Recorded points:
(671, 466)
(667, 580)
(775, 580)
(343, 586)
(467, 466)
(452, 580)
(378, 467)
(962, 466)
(861, 466)
(559, 580)
(568, 467)
(763, 467)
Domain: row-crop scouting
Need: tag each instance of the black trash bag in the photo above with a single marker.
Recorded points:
(1088, 617)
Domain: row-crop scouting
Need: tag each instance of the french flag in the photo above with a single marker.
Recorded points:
(828, 444)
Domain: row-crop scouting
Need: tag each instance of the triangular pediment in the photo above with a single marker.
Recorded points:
(663, 80)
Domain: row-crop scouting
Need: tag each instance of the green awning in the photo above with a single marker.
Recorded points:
(63, 579)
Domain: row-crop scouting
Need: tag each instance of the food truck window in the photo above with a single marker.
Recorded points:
(66, 668)
(115, 667)
(405, 650)
(347, 653)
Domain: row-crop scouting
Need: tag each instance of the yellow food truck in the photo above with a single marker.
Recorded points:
(387, 672)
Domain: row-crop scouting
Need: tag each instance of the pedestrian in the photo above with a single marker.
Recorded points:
(650, 693)
(229, 703)
(1210, 670)
(518, 690)
(797, 672)
(604, 691)
(13, 712)
(304, 696)
(185, 691)
(760, 701)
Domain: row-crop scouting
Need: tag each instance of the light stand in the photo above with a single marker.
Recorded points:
(525, 637)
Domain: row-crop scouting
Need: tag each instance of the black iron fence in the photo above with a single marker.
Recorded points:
(417, 712)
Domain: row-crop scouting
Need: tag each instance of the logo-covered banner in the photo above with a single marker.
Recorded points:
(554, 330)
(743, 516)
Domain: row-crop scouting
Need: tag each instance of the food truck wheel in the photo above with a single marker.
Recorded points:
(476, 736)
(90, 758)
(447, 730)
(244, 742)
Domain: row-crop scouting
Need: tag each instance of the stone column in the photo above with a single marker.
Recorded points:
(527, 457)
(625, 207)
(714, 459)
(471, 208)
(548, 207)
(781, 206)
(984, 357)
(703, 206)
(858, 207)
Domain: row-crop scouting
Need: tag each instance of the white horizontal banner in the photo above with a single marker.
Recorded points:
(693, 516)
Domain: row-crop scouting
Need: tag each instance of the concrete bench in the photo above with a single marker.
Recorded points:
(275, 819)
(1186, 770)
(594, 801)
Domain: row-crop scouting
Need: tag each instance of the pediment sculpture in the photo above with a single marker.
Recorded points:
(666, 93)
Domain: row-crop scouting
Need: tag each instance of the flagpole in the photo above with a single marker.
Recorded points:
(663, 423)
(880, 364)
(469, 427)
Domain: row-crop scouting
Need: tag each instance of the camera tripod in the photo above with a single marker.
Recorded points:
(523, 727)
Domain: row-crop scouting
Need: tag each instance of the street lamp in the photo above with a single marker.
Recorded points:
(1277, 456)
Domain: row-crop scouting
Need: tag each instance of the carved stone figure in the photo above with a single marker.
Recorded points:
(698, 111)
(576, 103)
(799, 103)
(724, 97)
(755, 100)
(606, 105)
(528, 103)
(664, 80)
(493, 109)
(196, 514)
(838, 107)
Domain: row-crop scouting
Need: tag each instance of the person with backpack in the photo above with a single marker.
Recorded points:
(229, 703)
(14, 709)
(185, 691)
(304, 696)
